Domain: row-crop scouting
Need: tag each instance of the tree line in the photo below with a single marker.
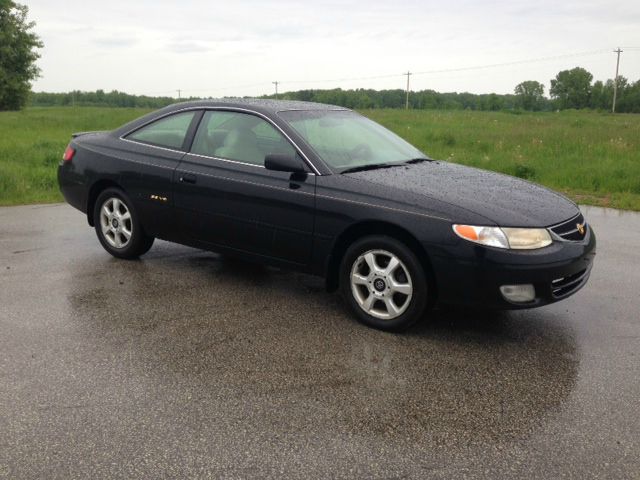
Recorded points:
(574, 89)
(99, 98)
(570, 89)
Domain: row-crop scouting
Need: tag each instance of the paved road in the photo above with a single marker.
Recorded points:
(186, 364)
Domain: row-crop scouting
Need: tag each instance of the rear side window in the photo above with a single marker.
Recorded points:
(168, 132)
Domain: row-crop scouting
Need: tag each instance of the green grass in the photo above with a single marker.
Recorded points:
(593, 157)
(32, 142)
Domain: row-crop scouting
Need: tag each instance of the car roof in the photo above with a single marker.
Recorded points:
(266, 107)
(257, 104)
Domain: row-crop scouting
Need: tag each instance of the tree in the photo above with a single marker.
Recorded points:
(529, 95)
(601, 95)
(18, 55)
(630, 101)
(572, 88)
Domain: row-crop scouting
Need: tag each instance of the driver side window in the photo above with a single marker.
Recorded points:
(240, 137)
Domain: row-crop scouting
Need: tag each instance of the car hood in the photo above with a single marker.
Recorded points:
(505, 200)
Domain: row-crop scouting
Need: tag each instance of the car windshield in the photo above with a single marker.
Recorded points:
(348, 141)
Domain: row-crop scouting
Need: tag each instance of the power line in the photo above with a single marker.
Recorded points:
(516, 62)
(276, 84)
(327, 80)
(230, 87)
(424, 72)
(460, 69)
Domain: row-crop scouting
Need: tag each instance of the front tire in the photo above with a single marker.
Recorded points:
(384, 283)
(118, 226)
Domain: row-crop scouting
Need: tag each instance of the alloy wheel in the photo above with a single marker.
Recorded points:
(115, 222)
(381, 284)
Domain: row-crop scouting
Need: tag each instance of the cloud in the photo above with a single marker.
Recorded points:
(115, 42)
(187, 47)
(201, 44)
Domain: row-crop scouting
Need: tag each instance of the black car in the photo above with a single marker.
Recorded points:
(324, 190)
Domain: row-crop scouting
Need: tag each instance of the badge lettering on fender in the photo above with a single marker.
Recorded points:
(158, 198)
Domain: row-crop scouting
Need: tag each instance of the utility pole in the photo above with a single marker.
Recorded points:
(179, 92)
(615, 81)
(276, 84)
(406, 104)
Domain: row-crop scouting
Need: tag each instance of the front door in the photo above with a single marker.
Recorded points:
(227, 198)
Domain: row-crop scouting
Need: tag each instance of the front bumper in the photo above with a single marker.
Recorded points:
(471, 275)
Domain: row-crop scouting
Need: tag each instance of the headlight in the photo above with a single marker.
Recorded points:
(515, 238)
(490, 236)
(527, 238)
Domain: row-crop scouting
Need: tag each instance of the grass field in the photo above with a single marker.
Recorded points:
(593, 157)
(32, 142)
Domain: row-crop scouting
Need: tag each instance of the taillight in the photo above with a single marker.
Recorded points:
(68, 153)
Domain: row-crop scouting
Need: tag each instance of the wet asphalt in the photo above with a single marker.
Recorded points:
(186, 364)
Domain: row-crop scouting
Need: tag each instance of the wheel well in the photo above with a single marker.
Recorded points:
(95, 190)
(362, 229)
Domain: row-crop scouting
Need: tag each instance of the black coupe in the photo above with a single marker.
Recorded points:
(324, 190)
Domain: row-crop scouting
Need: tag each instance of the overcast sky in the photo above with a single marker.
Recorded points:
(238, 47)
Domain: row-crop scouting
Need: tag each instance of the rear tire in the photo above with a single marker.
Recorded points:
(384, 283)
(118, 226)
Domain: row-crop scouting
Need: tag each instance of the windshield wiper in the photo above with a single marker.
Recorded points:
(418, 160)
(375, 166)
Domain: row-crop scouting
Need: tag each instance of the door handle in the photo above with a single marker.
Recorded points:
(187, 178)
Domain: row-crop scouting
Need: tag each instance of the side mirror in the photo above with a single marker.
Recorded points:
(284, 163)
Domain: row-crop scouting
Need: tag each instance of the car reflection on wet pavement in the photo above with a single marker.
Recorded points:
(189, 364)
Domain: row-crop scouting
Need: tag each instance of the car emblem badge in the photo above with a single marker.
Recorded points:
(580, 228)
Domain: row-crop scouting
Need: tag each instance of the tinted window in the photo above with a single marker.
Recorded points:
(168, 132)
(239, 136)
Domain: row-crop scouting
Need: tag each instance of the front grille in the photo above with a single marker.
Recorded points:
(570, 229)
(561, 287)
